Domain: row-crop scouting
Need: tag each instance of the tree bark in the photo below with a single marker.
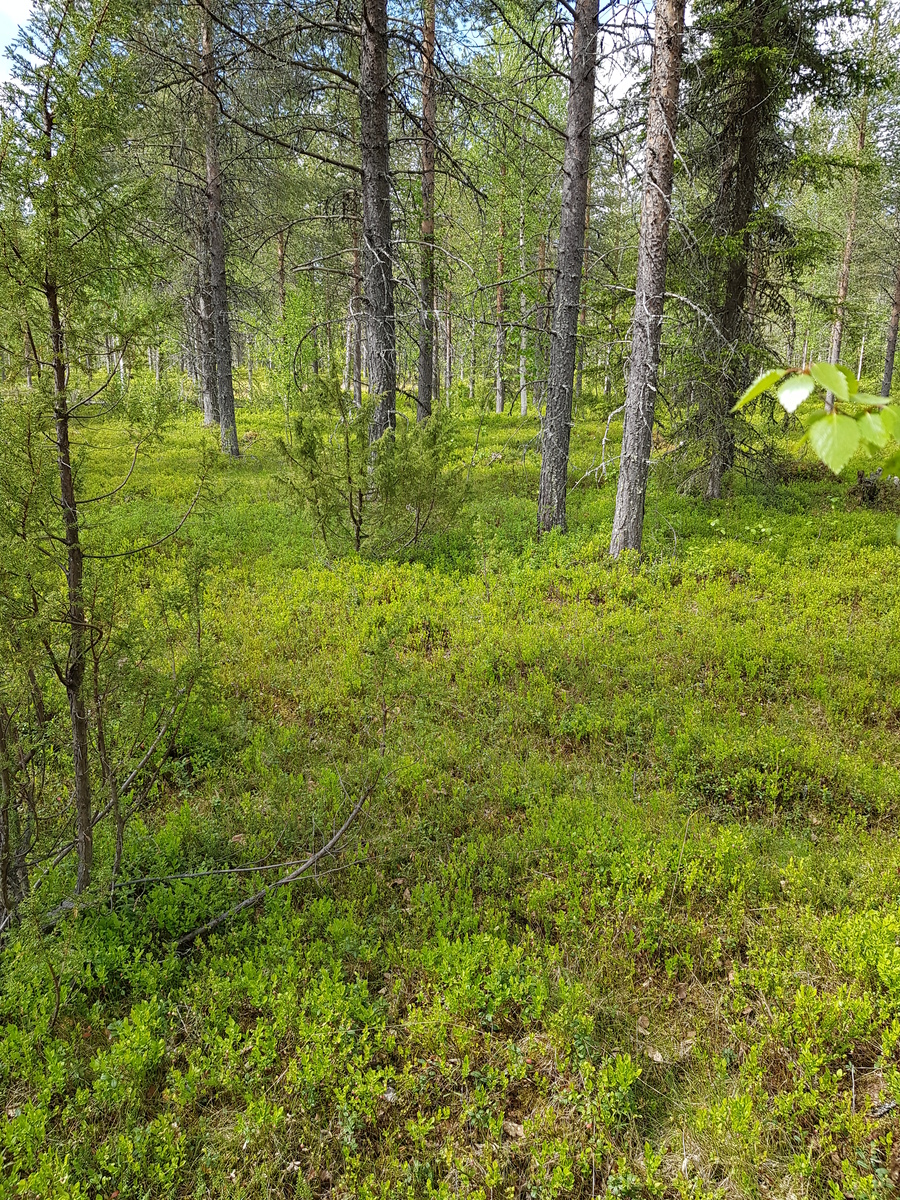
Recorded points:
(500, 379)
(653, 248)
(891, 349)
(381, 345)
(448, 345)
(834, 351)
(540, 382)
(429, 137)
(216, 231)
(837, 329)
(523, 309)
(206, 329)
(356, 311)
(582, 320)
(281, 247)
(843, 288)
(557, 421)
(737, 190)
(73, 672)
(436, 361)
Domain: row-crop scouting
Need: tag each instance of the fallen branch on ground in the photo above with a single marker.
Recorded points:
(188, 939)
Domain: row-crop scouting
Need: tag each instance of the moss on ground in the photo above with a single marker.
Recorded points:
(620, 916)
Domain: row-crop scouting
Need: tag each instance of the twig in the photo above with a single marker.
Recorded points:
(251, 901)
(125, 786)
(249, 870)
(56, 988)
(615, 412)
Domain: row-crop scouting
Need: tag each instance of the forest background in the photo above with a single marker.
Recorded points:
(448, 709)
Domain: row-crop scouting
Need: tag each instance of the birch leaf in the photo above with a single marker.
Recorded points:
(794, 391)
(868, 398)
(890, 419)
(767, 380)
(852, 381)
(871, 429)
(831, 379)
(834, 438)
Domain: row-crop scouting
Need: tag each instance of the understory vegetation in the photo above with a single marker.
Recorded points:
(619, 914)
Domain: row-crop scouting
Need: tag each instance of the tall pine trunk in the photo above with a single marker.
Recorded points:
(429, 135)
(448, 345)
(653, 249)
(75, 616)
(72, 672)
(206, 337)
(500, 348)
(843, 288)
(281, 248)
(582, 319)
(540, 357)
(381, 346)
(738, 188)
(218, 289)
(523, 307)
(891, 348)
(557, 421)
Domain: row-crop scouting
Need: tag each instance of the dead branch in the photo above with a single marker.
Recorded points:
(188, 939)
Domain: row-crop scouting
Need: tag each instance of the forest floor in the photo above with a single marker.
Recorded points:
(619, 917)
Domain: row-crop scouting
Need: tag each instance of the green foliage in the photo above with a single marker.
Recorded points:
(621, 916)
(834, 436)
(384, 499)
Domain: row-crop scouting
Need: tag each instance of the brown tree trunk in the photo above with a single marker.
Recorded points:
(653, 248)
(540, 383)
(357, 328)
(891, 349)
(582, 319)
(473, 352)
(429, 137)
(381, 345)
(281, 247)
(9, 893)
(523, 309)
(448, 345)
(843, 288)
(206, 330)
(216, 231)
(557, 422)
(500, 379)
(737, 189)
(73, 672)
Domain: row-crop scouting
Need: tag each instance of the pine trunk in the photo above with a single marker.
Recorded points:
(206, 338)
(653, 248)
(737, 187)
(557, 421)
(523, 313)
(500, 348)
(73, 675)
(429, 135)
(381, 354)
(540, 382)
(891, 349)
(281, 247)
(843, 289)
(72, 672)
(218, 280)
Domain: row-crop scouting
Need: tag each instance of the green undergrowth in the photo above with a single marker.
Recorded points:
(620, 914)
